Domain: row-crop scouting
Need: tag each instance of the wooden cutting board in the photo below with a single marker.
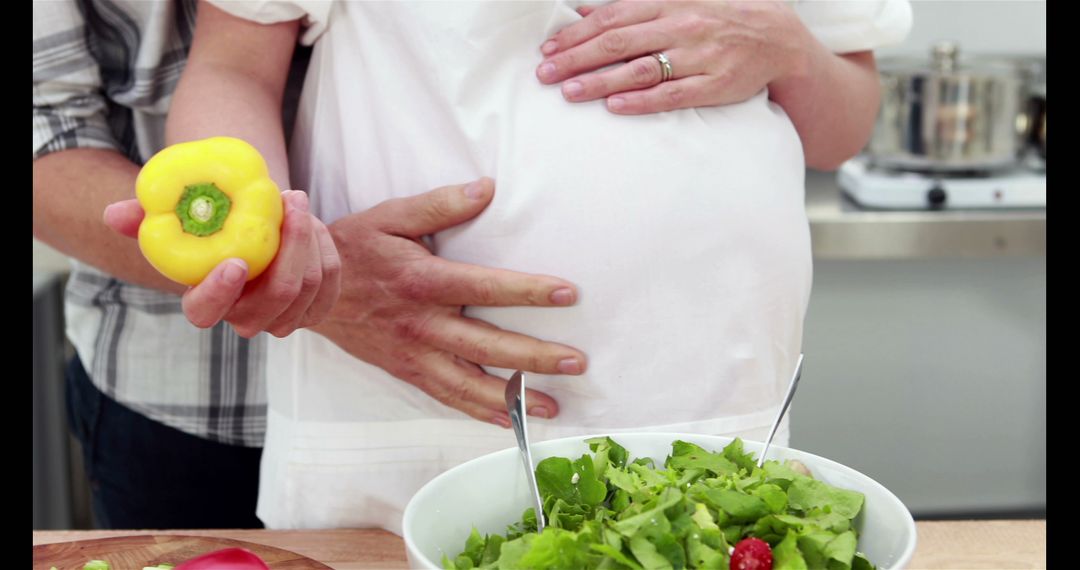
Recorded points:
(134, 552)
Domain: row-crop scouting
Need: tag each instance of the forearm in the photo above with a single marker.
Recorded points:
(217, 101)
(832, 101)
(233, 86)
(71, 190)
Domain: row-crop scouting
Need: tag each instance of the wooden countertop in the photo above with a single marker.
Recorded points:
(958, 545)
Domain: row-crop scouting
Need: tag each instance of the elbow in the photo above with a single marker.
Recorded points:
(826, 164)
(830, 159)
(852, 133)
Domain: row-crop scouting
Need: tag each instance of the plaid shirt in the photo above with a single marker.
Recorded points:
(104, 73)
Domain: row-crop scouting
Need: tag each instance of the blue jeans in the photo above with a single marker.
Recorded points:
(146, 475)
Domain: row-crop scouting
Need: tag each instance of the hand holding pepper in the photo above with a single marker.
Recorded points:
(187, 234)
(206, 201)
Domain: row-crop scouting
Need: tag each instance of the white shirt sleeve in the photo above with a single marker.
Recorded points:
(846, 26)
(315, 13)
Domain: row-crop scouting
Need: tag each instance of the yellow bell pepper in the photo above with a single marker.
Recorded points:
(206, 201)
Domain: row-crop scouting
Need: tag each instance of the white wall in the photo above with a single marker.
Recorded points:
(979, 27)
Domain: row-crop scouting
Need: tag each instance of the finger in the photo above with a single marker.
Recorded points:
(208, 302)
(289, 320)
(695, 91)
(641, 73)
(124, 217)
(431, 211)
(331, 280)
(599, 20)
(438, 281)
(539, 404)
(491, 346)
(466, 387)
(271, 293)
(609, 47)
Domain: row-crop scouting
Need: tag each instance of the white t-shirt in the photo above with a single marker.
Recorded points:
(685, 233)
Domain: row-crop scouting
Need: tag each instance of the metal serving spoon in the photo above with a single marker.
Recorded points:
(515, 406)
(783, 409)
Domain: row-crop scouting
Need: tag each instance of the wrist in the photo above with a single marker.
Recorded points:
(805, 60)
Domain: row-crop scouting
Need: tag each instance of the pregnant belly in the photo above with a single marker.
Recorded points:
(687, 237)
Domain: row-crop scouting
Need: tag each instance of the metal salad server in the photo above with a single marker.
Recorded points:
(515, 406)
(783, 409)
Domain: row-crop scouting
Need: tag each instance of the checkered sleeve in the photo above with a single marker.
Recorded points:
(69, 105)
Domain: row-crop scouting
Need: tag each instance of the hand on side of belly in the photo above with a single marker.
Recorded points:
(401, 306)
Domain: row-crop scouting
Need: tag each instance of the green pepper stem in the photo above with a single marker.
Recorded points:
(202, 209)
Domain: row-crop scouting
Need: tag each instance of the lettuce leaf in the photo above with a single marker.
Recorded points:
(685, 455)
(786, 555)
(555, 476)
(805, 494)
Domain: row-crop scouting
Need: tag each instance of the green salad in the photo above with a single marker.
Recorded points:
(702, 510)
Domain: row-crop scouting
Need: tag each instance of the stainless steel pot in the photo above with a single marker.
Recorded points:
(1042, 132)
(1038, 120)
(1032, 69)
(948, 115)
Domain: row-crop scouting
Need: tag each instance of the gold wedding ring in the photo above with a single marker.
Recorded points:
(665, 66)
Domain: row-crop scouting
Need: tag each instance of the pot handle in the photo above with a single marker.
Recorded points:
(945, 55)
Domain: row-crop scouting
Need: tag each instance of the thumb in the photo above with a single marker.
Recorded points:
(124, 217)
(432, 211)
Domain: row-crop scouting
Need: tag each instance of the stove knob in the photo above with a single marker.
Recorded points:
(936, 197)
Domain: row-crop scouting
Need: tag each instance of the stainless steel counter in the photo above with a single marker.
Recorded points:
(841, 230)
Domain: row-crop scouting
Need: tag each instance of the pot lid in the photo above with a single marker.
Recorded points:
(945, 60)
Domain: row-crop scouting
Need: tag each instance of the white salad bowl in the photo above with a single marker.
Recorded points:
(491, 492)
